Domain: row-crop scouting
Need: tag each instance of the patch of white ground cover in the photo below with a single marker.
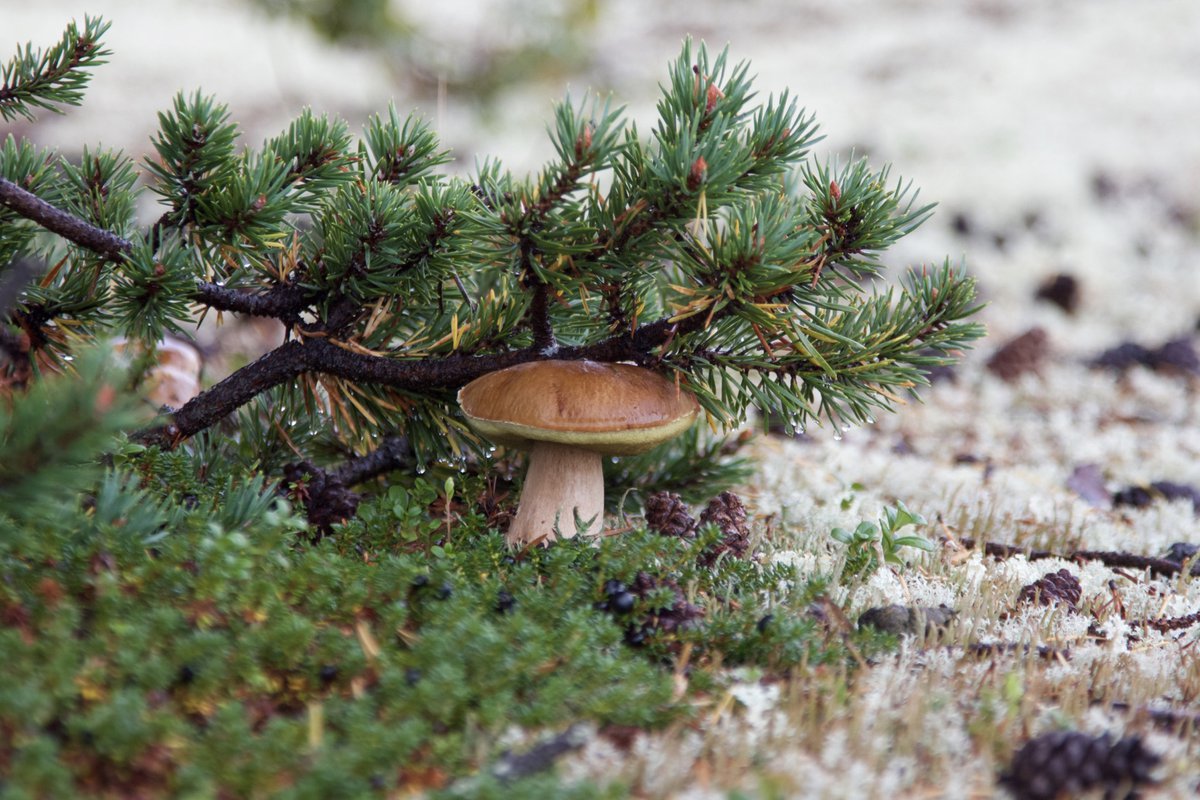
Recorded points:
(1026, 439)
(926, 722)
(911, 724)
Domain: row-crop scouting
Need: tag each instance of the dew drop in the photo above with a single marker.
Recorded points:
(420, 470)
(837, 436)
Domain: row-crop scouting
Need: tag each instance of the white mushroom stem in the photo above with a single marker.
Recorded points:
(563, 484)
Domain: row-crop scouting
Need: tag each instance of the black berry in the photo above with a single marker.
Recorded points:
(613, 587)
(505, 602)
(622, 602)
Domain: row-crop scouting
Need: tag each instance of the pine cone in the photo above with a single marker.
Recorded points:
(729, 515)
(1053, 587)
(666, 513)
(1067, 763)
(678, 616)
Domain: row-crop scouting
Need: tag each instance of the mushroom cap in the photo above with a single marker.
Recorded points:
(615, 409)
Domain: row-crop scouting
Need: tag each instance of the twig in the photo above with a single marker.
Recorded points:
(325, 493)
(68, 226)
(281, 302)
(1164, 718)
(394, 453)
(1157, 566)
(1165, 624)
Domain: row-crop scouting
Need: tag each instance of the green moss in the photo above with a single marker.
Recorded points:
(181, 632)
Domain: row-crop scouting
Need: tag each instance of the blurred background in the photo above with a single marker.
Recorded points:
(1059, 138)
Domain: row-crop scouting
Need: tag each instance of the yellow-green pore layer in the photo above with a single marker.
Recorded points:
(615, 409)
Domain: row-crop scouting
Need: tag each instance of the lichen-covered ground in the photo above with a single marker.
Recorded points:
(1058, 138)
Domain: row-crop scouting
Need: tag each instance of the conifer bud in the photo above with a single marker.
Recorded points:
(584, 141)
(714, 94)
(835, 191)
(697, 173)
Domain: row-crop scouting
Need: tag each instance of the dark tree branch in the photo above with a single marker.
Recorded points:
(66, 225)
(394, 453)
(281, 364)
(539, 318)
(322, 355)
(325, 493)
(281, 302)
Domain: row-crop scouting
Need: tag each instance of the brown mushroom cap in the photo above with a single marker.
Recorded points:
(615, 409)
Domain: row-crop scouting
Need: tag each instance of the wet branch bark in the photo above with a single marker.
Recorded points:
(280, 302)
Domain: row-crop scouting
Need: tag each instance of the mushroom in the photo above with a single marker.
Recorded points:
(568, 414)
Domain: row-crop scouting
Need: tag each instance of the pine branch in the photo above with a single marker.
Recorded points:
(50, 439)
(58, 76)
(285, 302)
(700, 255)
(324, 356)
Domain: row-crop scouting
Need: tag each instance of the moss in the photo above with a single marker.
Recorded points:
(212, 647)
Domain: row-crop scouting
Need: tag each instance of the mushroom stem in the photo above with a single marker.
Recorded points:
(563, 484)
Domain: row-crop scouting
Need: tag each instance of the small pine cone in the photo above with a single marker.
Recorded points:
(729, 515)
(1053, 587)
(666, 513)
(1068, 763)
(679, 615)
